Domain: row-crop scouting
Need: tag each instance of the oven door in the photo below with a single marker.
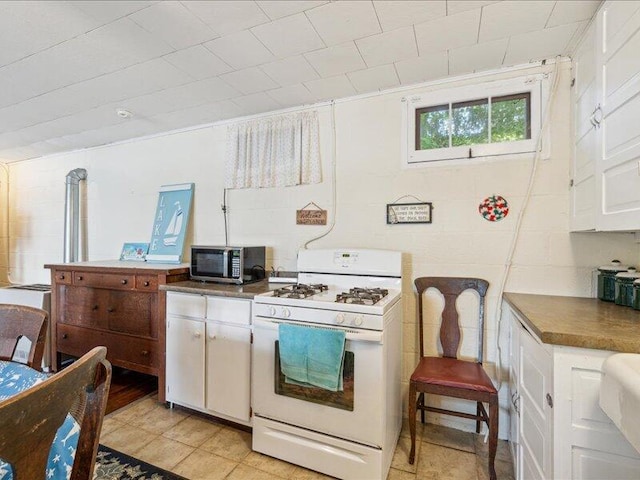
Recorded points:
(354, 414)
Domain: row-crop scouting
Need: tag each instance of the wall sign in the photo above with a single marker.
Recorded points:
(170, 223)
(311, 216)
(409, 213)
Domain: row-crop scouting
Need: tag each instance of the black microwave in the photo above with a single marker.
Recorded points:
(227, 264)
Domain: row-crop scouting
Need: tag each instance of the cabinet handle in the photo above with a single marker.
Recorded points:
(124, 282)
(146, 284)
(212, 336)
(597, 119)
(145, 353)
(549, 400)
(197, 334)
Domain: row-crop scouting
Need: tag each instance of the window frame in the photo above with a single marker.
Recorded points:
(534, 85)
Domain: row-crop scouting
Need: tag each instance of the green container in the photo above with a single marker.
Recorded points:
(607, 280)
(636, 294)
(624, 287)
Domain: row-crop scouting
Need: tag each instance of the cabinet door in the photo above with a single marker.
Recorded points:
(587, 443)
(536, 415)
(618, 170)
(585, 152)
(185, 361)
(228, 369)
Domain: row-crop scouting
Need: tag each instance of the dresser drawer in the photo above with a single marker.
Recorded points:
(147, 282)
(134, 353)
(63, 277)
(104, 280)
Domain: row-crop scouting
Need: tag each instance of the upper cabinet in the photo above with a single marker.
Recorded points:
(605, 193)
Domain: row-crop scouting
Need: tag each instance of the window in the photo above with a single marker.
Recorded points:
(488, 119)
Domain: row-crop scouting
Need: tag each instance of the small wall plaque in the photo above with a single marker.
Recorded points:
(409, 213)
(310, 216)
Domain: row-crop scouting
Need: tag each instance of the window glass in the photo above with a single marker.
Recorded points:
(510, 118)
(433, 127)
(470, 123)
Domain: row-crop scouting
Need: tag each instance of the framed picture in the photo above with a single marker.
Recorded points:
(134, 251)
(398, 213)
(170, 223)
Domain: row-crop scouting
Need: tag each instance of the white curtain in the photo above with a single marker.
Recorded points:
(274, 152)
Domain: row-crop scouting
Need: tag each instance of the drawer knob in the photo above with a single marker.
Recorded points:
(79, 277)
(124, 282)
(111, 309)
(61, 276)
(95, 307)
(145, 353)
(64, 335)
(146, 284)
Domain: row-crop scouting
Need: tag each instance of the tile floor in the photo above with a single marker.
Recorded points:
(198, 448)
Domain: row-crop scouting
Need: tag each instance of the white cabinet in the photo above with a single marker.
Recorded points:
(560, 431)
(605, 193)
(532, 400)
(208, 354)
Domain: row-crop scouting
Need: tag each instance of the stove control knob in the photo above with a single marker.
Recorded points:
(286, 313)
(358, 320)
(272, 311)
(340, 318)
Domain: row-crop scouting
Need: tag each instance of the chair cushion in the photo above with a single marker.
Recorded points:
(451, 372)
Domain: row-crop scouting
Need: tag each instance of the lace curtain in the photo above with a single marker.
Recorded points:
(274, 152)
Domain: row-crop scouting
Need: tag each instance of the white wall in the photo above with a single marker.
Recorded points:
(123, 181)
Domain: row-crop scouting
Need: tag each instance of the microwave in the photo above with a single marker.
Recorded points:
(227, 264)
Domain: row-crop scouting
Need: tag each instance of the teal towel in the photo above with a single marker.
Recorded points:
(314, 356)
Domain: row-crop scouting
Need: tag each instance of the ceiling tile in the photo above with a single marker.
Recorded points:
(201, 114)
(503, 19)
(388, 47)
(249, 80)
(29, 27)
(457, 6)
(106, 11)
(373, 79)
(331, 88)
(292, 95)
(450, 32)
(227, 17)
(426, 67)
(484, 56)
(283, 8)
(240, 50)
(540, 45)
(174, 24)
(399, 13)
(256, 103)
(339, 22)
(290, 70)
(335, 60)
(572, 12)
(289, 36)
(198, 62)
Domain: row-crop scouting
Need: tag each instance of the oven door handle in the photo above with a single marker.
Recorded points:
(351, 334)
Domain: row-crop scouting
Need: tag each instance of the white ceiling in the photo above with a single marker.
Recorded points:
(66, 67)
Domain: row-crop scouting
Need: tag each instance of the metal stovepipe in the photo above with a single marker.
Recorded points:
(72, 214)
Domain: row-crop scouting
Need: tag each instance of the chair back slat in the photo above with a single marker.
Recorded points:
(451, 288)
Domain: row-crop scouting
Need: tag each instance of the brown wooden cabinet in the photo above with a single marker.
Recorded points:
(115, 304)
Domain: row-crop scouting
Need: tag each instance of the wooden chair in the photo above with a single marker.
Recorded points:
(447, 375)
(18, 320)
(29, 420)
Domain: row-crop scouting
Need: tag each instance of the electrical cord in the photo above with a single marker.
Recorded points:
(333, 177)
(516, 230)
(224, 213)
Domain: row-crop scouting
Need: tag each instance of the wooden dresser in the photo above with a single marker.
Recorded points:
(115, 304)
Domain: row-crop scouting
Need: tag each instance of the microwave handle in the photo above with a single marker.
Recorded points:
(225, 262)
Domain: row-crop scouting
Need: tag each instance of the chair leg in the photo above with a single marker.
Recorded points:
(421, 403)
(494, 411)
(412, 421)
(478, 412)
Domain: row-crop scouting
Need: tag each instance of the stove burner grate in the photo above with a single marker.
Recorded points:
(300, 290)
(362, 296)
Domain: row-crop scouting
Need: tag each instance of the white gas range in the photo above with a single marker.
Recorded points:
(352, 433)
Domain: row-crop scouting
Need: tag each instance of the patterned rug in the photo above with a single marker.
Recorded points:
(114, 465)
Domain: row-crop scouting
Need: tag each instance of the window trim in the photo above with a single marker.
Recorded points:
(535, 85)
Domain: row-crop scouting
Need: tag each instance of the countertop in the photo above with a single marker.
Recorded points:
(249, 290)
(579, 322)
(122, 265)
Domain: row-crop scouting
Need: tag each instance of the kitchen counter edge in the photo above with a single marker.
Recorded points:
(249, 290)
(578, 321)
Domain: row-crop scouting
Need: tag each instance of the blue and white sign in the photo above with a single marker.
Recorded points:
(170, 223)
